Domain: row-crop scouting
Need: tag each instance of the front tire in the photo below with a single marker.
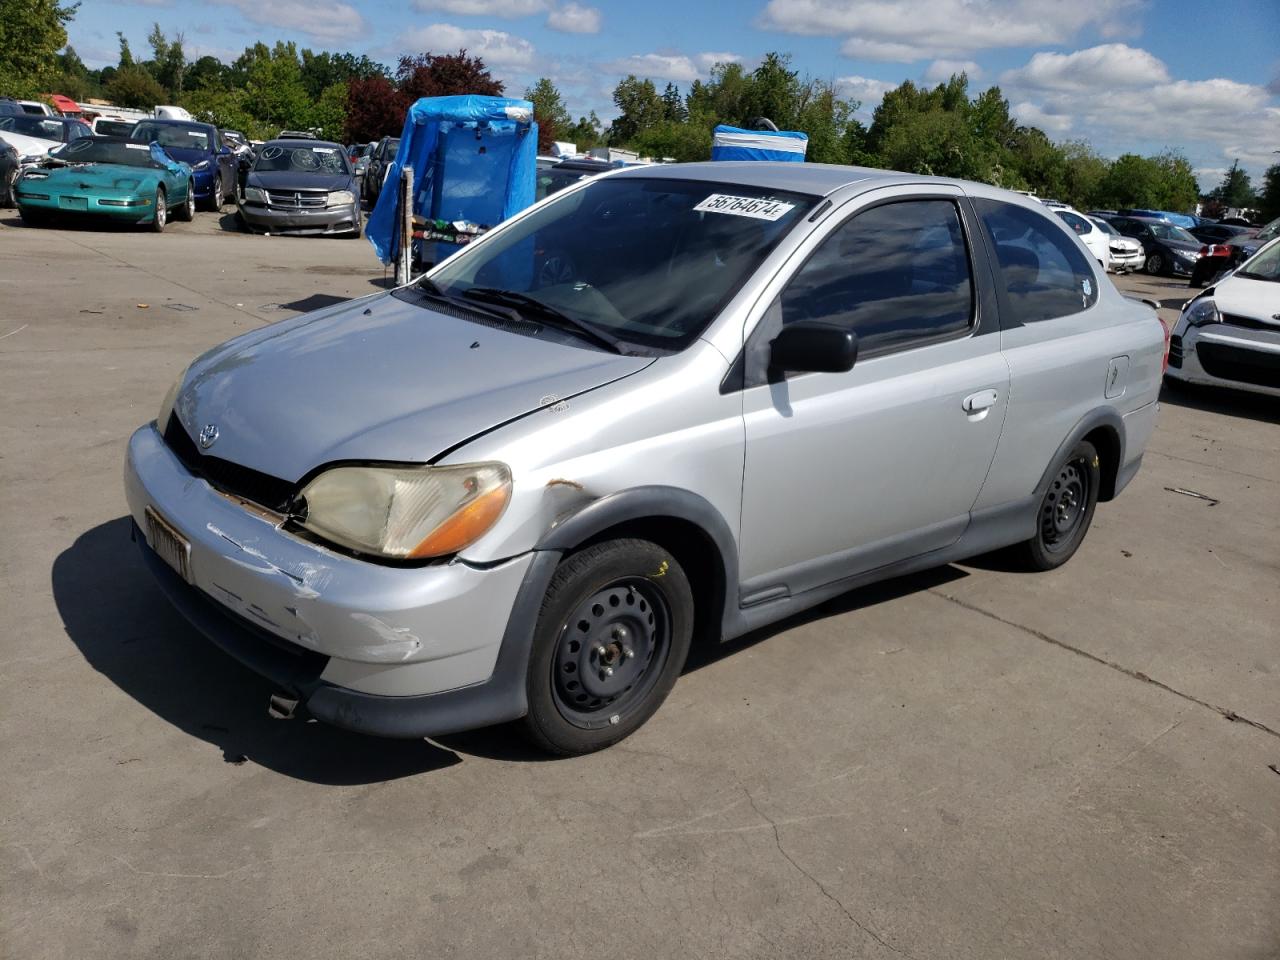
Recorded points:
(32, 217)
(160, 215)
(1155, 264)
(187, 212)
(215, 195)
(611, 639)
(1066, 510)
(7, 198)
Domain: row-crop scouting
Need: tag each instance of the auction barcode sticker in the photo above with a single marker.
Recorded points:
(753, 207)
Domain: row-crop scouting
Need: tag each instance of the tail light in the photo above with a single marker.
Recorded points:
(1168, 332)
(1215, 250)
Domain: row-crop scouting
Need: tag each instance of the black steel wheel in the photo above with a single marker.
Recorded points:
(1066, 509)
(611, 640)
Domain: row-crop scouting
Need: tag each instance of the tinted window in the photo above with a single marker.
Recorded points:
(182, 137)
(1045, 274)
(897, 274)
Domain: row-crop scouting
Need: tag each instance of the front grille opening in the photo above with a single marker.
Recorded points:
(244, 482)
(1239, 364)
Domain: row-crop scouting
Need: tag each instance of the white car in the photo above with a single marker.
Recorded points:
(1093, 238)
(1127, 254)
(110, 126)
(33, 136)
(1230, 335)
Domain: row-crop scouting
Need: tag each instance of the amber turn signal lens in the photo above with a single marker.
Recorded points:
(466, 526)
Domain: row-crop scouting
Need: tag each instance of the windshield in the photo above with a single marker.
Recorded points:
(182, 136)
(647, 261)
(113, 128)
(1270, 231)
(1263, 265)
(44, 128)
(1105, 227)
(1167, 231)
(318, 158)
(87, 150)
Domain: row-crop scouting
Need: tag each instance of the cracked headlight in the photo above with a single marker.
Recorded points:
(1202, 312)
(405, 513)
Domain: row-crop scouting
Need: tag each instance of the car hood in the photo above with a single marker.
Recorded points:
(283, 180)
(99, 176)
(29, 146)
(376, 379)
(1256, 299)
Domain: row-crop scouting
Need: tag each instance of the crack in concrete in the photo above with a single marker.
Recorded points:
(1224, 712)
(777, 841)
(1212, 466)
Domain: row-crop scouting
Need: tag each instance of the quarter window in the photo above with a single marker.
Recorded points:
(1044, 274)
(897, 275)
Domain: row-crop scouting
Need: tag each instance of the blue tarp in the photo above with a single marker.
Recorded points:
(734, 143)
(473, 158)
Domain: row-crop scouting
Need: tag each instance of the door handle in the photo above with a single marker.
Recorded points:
(979, 401)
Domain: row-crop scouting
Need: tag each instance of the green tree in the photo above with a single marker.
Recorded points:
(640, 107)
(1177, 188)
(272, 82)
(169, 61)
(673, 106)
(75, 81)
(586, 133)
(322, 70)
(1269, 195)
(682, 142)
(1236, 189)
(330, 112)
(548, 109)
(133, 86)
(126, 55)
(208, 73)
(31, 34)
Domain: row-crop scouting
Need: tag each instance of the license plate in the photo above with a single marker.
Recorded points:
(169, 545)
(74, 203)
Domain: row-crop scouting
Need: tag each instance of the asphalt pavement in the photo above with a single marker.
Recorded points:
(968, 763)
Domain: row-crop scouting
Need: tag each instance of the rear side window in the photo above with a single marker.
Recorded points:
(1076, 222)
(897, 275)
(1044, 274)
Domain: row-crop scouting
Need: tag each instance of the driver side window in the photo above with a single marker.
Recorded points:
(897, 275)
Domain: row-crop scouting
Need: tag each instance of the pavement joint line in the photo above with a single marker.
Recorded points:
(777, 840)
(1211, 466)
(1119, 668)
(163, 278)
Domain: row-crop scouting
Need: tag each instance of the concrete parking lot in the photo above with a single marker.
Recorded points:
(971, 763)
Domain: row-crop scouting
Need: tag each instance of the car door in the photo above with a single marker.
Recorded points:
(849, 471)
(226, 161)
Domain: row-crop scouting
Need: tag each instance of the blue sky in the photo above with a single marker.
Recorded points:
(1122, 74)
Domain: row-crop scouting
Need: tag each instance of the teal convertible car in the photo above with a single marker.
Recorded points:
(107, 177)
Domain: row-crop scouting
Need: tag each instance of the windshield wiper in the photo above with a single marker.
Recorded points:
(545, 313)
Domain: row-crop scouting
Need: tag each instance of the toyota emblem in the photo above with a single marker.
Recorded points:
(208, 435)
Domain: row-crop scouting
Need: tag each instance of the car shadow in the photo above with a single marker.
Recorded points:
(1221, 400)
(127, 631)
(317, 301)
(231, 223)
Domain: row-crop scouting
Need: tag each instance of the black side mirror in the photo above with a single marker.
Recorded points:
(814, 347)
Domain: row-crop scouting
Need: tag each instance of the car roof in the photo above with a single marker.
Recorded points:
(303, 142)
(818, 179)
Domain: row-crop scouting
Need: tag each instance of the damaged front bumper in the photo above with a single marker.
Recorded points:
(375, 648)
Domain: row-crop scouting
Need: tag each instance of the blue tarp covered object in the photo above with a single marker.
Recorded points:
(473, 158)
(734, 143)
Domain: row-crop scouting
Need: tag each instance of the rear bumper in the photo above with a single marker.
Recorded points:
(344, 219)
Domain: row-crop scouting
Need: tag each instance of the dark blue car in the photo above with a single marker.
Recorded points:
(212, 162)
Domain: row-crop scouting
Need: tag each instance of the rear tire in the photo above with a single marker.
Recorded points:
(216, 196)
(610, 641)
(1065, 512)
(7, 198)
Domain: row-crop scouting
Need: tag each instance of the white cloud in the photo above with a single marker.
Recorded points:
(1109, 65)
(1123, 99)
(482, 8)
(940, 71)
(574, 18)
(495, 47)
(324, 20)
(867, 91)
(708, 60)
(909, 30)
